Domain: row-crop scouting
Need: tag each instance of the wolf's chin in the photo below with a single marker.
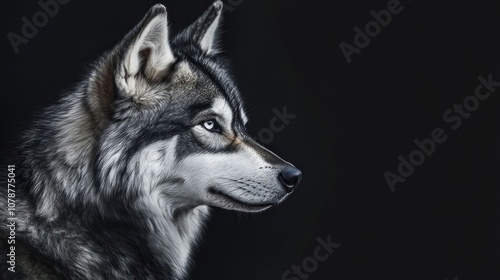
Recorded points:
(239, 204)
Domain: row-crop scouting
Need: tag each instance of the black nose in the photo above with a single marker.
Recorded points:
(290, 177)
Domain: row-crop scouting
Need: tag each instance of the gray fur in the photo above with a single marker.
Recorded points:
(116, 180)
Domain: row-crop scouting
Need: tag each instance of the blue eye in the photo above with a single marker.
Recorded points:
(211, 125)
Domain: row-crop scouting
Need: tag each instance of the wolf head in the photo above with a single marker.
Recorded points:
(172, 123)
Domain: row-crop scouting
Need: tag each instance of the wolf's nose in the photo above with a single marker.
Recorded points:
(290, 177)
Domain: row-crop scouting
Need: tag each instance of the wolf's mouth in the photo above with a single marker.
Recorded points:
(235, 200)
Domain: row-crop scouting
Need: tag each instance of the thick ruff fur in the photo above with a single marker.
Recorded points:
(115, 180)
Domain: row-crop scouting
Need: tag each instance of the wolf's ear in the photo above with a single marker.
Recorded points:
(204, 30)
(149, 52)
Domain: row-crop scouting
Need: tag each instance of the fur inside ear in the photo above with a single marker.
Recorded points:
(203, 32)
(207, 34)
(151, 50)
(148, 55)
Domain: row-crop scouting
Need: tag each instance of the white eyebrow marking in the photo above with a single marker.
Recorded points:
(222, 108)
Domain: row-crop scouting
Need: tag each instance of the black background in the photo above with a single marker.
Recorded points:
(353, 121)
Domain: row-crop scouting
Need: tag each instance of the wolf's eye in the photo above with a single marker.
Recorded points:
(211, 125)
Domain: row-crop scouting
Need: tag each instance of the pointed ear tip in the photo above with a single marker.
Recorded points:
(157, 9)
(218, 5)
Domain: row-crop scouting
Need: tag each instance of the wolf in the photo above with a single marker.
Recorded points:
(116, 179)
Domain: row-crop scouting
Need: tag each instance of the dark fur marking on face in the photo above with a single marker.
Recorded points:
(206, 68)
(196, 108)
(228, 93)
(192, 145)
(153, 134)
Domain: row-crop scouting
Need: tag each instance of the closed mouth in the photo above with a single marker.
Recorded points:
(237, 201)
